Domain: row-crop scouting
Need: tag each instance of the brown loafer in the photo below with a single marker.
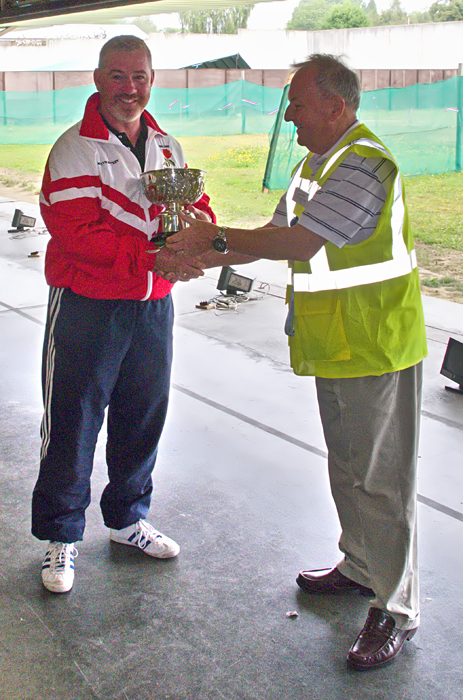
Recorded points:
(379, 643)
(331, 583)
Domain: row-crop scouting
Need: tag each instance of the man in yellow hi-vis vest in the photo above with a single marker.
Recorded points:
(356, 323)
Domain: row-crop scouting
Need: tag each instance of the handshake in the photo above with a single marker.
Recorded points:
(182, 258)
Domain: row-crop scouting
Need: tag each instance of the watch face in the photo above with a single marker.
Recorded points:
(220, 245)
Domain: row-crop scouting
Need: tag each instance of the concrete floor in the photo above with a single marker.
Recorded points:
(241, 484)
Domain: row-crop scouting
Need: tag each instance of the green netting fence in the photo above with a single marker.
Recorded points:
(236, 108)
(420, 124)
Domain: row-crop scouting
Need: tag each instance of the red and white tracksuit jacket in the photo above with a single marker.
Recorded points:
(99, 219)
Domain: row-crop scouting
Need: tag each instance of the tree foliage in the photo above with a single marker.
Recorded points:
(347, 15)
(446, 11)
(226, 21)
(395, 14)
(372, 13)
(420, 17)
(144, 22)
(310, 15)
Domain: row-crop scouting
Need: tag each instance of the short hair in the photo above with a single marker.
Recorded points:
(124, 42)
(334, 78)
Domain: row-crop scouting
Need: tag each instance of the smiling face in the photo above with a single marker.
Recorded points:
(319, 120)
(124, 82)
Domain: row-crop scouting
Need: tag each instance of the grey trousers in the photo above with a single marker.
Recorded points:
(371, 427)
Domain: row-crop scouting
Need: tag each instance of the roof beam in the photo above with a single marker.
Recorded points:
(17, 10)
(36, 12)
(29, 14)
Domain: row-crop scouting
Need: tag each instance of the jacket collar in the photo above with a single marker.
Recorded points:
(93, 126)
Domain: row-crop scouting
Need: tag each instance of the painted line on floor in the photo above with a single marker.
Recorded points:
(22, 313)
(251, 421)
(310, 448)
(440, 507)
(442, 419)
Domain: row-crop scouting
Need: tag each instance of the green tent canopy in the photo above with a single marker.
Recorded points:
(235, 61)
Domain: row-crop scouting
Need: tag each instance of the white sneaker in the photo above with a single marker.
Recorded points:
(144, 536)
(58, 567)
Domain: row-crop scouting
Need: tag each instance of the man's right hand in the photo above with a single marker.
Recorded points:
(176, 267)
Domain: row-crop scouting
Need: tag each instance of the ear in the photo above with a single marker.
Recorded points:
(152, 78)
(96, 77)
(337, 109)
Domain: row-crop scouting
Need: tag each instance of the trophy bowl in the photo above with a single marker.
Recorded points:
(172, 188)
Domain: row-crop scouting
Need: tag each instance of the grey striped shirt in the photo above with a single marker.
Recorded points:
(346, 209)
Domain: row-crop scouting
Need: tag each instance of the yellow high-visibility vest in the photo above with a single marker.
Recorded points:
(357, 310)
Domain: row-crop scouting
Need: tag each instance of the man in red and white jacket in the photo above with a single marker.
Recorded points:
(108, 338)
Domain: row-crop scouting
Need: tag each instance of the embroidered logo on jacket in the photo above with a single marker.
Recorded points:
(108, 162)
(168, 162)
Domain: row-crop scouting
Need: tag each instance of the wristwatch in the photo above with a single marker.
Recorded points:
(220, 243)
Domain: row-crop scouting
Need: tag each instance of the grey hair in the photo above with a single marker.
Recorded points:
(334, 78)
(124, 42)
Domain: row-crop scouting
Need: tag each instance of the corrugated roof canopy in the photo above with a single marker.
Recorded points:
(23, 14)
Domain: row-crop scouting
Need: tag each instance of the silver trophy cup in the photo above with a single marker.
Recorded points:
(172, 188)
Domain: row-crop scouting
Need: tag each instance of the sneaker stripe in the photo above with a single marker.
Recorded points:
(143, 535)
(58, 567)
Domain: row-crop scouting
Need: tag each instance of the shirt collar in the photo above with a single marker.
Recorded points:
(122, 136)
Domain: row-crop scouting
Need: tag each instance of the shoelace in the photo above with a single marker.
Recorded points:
(58, 553)
(147, 533)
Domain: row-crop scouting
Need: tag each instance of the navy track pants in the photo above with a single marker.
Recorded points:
(99, 354)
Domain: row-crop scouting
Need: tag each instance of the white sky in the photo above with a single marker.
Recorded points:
(275, 15)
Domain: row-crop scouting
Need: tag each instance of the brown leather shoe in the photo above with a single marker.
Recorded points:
(378, 643)
(331, 583)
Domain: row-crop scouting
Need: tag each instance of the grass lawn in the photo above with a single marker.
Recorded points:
(436, 209)
(22, 165)
(235, 166)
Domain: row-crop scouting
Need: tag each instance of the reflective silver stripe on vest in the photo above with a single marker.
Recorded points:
(322, 278)
(291, 189)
